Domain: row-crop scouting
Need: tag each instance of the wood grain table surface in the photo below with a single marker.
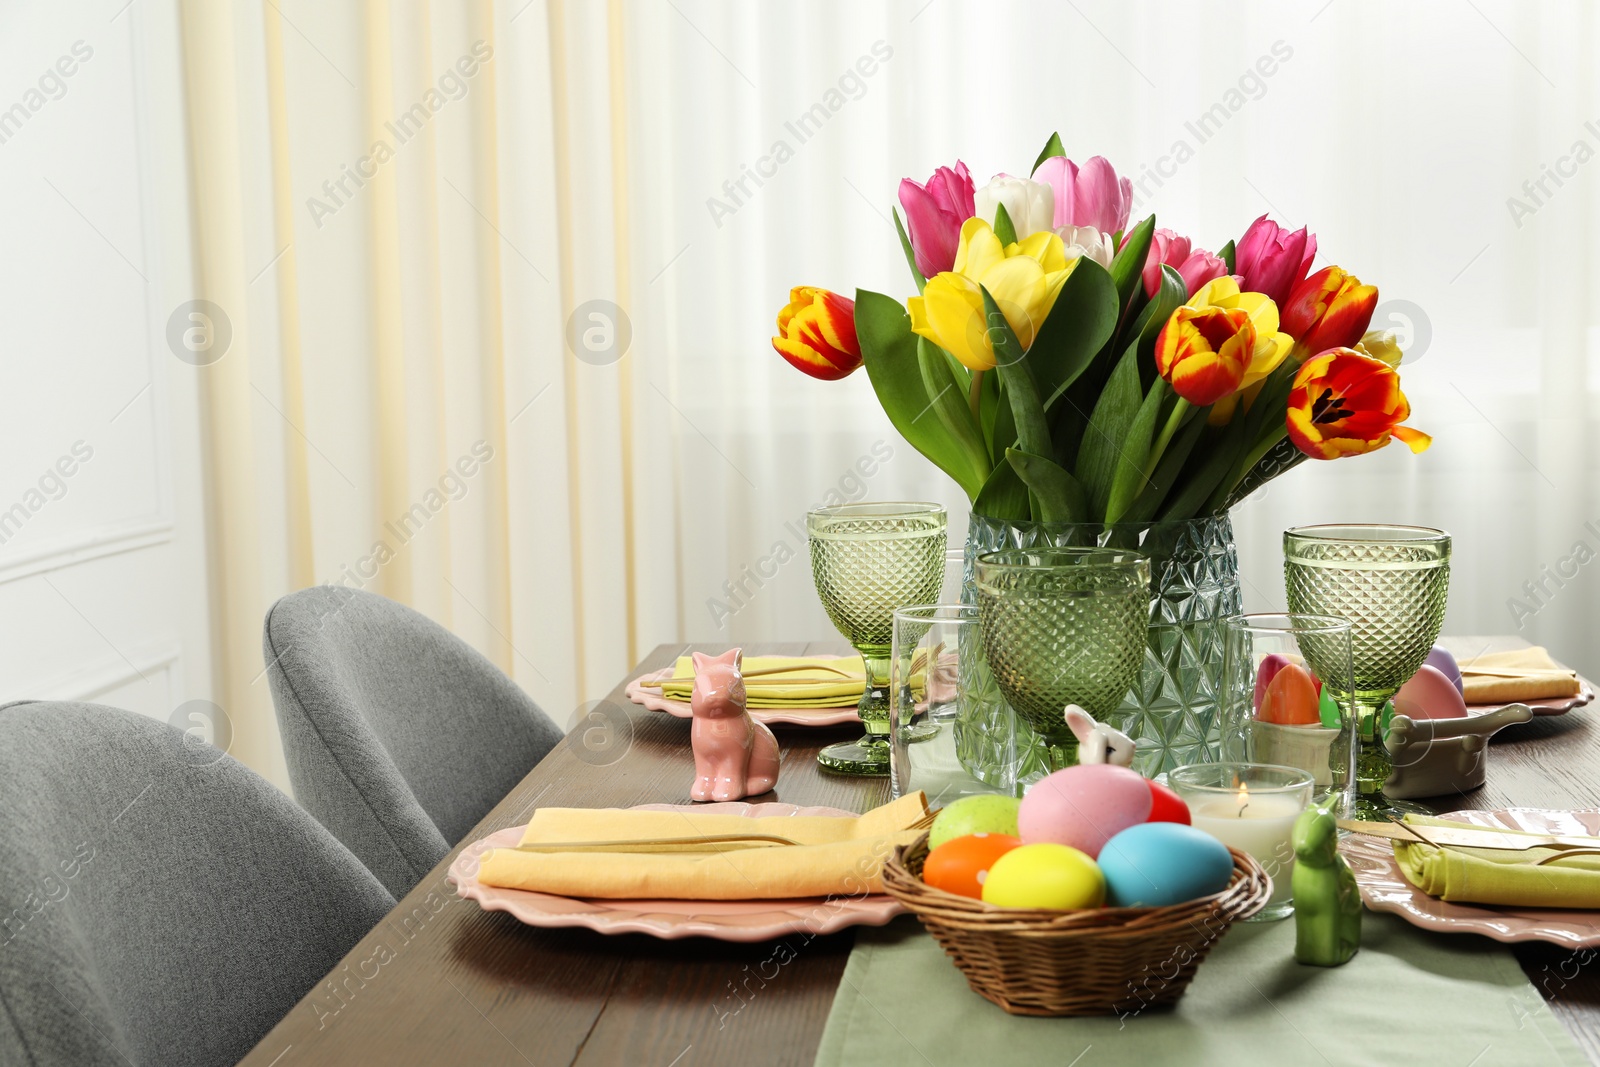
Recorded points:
(441, 981)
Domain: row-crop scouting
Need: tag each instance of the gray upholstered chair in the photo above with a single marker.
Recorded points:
(399, 735)
(161, 905)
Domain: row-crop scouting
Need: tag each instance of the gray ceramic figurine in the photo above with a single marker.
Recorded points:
(1327, 904)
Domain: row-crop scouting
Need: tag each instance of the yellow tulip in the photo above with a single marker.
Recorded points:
(1024, 278)
(1271, 344)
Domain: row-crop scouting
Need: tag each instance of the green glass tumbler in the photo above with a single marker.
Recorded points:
(1391, 583)
(867, 560)
(1063, 626)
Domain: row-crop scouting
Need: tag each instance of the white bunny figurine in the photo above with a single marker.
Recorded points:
(1097, 742)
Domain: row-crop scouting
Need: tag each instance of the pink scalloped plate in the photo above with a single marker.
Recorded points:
(723, 920)
(654, 701)
(1545, 705)
(1384, 888)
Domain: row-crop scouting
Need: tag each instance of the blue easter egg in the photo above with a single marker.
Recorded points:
(1159, 863)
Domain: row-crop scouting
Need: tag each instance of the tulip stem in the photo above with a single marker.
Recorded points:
(975, 399)
(1179, 410)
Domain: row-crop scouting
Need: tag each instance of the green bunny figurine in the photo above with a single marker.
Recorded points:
(1327, 905)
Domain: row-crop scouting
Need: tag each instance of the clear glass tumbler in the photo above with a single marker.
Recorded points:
(1286, 698)
(1253, 808)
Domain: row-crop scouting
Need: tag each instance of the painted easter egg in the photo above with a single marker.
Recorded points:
(1266, 671)
(974, 815)
(1045, 875)
(1083, 806)
(1291, 698)
(1440, 659)
(961, 865)
(1430, 695)
(1166, 805)
(1160, 863)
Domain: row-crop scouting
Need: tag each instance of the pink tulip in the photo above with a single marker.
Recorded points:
(1091, 195)
(934, 214)
(1196, 265)
(1269, 259)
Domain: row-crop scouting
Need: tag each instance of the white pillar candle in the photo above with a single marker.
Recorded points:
(1262, 825)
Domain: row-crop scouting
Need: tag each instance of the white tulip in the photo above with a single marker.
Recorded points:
(1087, 241)
(1031, 205)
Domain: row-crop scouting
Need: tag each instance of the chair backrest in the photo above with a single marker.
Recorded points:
(161, 905)
(399, 735)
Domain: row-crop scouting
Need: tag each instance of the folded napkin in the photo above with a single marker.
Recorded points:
(784, 681)
(831, 855)
(1496, 876)
(1521, 674)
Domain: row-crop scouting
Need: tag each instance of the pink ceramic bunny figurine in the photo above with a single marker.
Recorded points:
(734, 756)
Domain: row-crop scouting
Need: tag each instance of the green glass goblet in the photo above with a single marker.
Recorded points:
(1392, 583)
(867, 560)
(1063, 626)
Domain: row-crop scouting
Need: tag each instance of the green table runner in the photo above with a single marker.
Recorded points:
(1407, 998)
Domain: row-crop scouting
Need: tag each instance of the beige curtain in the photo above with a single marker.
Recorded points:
(377, 189)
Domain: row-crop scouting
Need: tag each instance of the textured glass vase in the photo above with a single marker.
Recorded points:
(1172, 711)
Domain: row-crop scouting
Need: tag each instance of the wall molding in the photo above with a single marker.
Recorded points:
(69, 550)
(103, 675)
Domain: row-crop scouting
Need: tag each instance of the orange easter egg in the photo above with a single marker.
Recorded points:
(1291, 698)
(961, 865)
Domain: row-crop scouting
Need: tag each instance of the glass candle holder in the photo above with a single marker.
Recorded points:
(1286, 699)
(1251, 807)
(931, 680)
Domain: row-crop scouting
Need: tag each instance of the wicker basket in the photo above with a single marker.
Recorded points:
(1105, 961)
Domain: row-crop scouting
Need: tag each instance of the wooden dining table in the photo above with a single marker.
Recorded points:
(442, 981)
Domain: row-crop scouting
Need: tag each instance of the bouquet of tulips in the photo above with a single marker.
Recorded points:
(1062, 367)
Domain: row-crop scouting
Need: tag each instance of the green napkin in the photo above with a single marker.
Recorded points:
(1496, 876)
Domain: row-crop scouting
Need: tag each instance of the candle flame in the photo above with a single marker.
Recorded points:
(1244, 798)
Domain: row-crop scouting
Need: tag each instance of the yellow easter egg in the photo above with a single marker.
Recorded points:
(1045, 875)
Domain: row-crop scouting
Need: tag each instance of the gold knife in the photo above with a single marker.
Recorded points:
(1466, 837)
(704, 843)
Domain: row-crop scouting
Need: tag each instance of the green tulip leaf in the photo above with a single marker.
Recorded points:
(1033, 435)
(1003, 227)
(905, 246)
(889, 351)
(1130, 478)
(1004, 496)
(1127, 267)
(1052, 147)
(1058, 495)
(1227, 254)
(1106, 441)
(949, 403)
(1150, 498)
(998, 429)
(1079, 324)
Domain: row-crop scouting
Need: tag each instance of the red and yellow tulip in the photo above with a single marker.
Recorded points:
(1330, 309)
(1343, 403)
(817, 333)
(1204, 352)
(1271, 345)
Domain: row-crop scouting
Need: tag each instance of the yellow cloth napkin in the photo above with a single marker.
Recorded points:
(1521, 674)
(1496, 876)
(796, 682)
(832, 855)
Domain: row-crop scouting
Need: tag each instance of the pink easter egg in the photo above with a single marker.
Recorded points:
(1084, 806)
(1271, 664)
(1430, 695)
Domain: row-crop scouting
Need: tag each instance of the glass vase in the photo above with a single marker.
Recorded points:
(1172, 712)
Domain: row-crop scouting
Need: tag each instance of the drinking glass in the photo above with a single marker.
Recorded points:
(931, 674)
(1063, 626)
(1298, 719)
(867, 560)
(1391, 582)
